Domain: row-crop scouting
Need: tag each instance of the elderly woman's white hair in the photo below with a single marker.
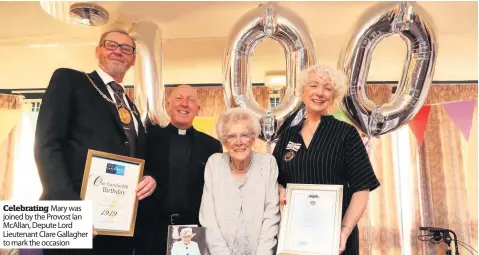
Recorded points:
(233, 115)
(338, 80)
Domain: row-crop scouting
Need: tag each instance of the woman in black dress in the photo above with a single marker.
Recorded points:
(323, 150)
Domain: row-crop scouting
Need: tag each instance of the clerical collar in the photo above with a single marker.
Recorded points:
(175, 130)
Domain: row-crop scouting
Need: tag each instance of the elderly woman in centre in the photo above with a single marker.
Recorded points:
(240, 203)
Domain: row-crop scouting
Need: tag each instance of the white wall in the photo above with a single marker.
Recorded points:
(200, 60)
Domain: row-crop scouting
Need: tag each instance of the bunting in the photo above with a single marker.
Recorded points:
(461, 113)
(418, 124)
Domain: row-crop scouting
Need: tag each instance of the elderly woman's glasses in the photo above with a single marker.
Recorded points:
(243, 137)
(125, 48)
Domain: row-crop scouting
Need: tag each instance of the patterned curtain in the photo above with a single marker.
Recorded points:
(10, 112)
(212, 98)
(442, 180)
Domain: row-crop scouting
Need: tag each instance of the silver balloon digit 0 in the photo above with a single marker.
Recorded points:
(411, 23)
(282, 25)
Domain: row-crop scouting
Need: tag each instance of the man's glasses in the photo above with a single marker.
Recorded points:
(244, 137)
(125, 48)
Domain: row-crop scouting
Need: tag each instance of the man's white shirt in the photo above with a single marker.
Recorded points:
(106, 78)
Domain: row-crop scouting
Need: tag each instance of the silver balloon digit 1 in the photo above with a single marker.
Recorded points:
(285, 27)
(149, 87)
(411, 23)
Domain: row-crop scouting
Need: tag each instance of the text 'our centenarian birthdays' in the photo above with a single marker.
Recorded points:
(46, 224)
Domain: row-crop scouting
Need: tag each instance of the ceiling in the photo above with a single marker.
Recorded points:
(28, 24)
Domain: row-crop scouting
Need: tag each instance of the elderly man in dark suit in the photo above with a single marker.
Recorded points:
(176, 155)
(90, 111)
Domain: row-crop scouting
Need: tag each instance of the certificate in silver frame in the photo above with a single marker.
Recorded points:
(311, 220)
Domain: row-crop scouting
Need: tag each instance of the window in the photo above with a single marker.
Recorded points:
(33, 104)
(274, 97)
(274, 101)
(36, 106)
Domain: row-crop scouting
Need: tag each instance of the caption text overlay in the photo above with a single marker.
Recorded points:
(46, 224)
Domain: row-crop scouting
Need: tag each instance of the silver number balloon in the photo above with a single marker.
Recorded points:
(408, 20)
(285, 27)
(149, 87)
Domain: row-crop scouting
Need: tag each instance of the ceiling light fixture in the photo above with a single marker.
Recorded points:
(89, 14)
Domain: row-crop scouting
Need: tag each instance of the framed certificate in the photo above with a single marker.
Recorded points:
(311, 220)
(110, 182)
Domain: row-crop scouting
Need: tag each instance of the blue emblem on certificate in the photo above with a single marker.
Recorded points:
(115, 169)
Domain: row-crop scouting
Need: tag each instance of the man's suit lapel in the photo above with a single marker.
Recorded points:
(102, 87)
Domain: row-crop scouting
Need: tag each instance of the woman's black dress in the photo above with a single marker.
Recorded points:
(336, 156)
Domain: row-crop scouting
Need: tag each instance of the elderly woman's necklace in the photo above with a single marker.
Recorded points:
(241, 171)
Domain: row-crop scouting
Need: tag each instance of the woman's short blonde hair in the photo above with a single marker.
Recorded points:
(338, 80)
(234, 115)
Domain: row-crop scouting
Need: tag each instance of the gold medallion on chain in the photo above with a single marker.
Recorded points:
(125, 115)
